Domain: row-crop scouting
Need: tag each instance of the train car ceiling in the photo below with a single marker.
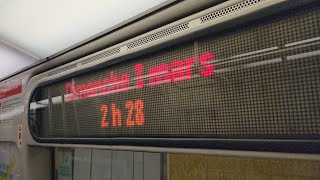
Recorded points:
(43, 28)
(51, 30)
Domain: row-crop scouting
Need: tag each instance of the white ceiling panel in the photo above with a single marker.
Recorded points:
(13, 59)
(45, 27)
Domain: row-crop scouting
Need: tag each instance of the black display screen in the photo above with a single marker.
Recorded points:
(257, 81)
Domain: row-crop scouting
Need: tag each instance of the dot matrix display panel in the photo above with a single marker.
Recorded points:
(259, 80)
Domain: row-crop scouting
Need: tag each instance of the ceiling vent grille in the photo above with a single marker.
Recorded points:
(101, 56)
(62, 69)
(229, 10)
(86, 61)
(158, 35)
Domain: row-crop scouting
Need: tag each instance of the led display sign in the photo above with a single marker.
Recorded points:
(254, 82)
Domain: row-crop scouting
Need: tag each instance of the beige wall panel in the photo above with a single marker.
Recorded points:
(202, 167)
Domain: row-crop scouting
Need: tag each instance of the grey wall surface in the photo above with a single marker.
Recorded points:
(101, 164)
(82, 164)
(97, 164)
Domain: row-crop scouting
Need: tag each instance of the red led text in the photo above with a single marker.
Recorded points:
(135, 116)
(157, 75)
